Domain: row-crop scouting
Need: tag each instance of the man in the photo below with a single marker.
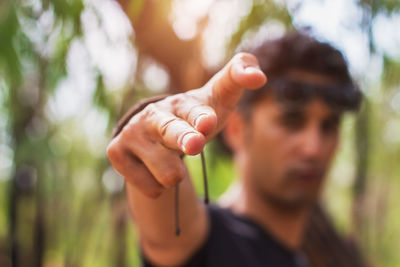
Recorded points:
(283, 137)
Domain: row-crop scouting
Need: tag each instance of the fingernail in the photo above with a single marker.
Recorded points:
(186, 139)
(251, 70)
(196, 122)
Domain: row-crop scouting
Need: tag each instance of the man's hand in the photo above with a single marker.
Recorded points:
(148, 149)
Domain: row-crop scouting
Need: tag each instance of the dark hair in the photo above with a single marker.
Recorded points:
(299, 51)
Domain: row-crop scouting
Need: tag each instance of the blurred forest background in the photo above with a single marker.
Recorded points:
(70, 68)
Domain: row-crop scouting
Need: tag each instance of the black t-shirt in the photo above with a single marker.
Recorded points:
(238, 241)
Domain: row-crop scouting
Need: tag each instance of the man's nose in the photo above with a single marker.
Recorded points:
(312, 143)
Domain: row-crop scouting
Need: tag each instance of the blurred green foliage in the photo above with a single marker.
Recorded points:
(62, 205)
(261, 12)
(220, 172)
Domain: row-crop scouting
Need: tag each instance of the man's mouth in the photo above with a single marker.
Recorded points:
(307, 174)
(310, 174)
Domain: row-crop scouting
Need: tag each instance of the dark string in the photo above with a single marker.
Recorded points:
(206, 197)
(177, 227)
(203, 165)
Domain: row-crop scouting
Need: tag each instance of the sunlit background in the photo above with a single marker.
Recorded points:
(69, 69)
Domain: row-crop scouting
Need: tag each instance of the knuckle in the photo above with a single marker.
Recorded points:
(198, 110)
(113, 151)
(142, 184)
(150, 110)
(177, 99)
(128, 128)
(149, 115)
(155, 120)
(126, 132)
(172, 177)
(116, 158)
(153, 192)
(149, 191)
(133, 128)
(164, 125)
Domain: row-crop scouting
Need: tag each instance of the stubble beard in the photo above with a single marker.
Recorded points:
(286, 202)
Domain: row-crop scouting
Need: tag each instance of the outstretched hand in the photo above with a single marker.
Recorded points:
(147, 151)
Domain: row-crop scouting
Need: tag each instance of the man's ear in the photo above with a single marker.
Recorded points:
(234, 132)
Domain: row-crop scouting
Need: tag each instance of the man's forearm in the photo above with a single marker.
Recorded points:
(155, 219)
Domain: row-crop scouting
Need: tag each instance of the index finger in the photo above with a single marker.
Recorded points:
(226, 87)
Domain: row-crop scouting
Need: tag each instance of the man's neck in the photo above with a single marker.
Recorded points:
(286, 226)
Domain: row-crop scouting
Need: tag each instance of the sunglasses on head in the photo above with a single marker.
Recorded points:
(295, 93)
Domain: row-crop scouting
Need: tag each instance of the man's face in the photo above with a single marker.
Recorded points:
(287, 151)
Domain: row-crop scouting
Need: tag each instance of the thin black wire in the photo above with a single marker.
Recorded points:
(206, 196)
(177, 226)
(203, 165)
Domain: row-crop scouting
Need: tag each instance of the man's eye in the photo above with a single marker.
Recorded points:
(330, 126)
(292, 122)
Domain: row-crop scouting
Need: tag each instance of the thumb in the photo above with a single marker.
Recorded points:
(226, 87)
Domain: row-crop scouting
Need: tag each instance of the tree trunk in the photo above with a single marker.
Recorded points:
(155, 37)
(12, 215)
